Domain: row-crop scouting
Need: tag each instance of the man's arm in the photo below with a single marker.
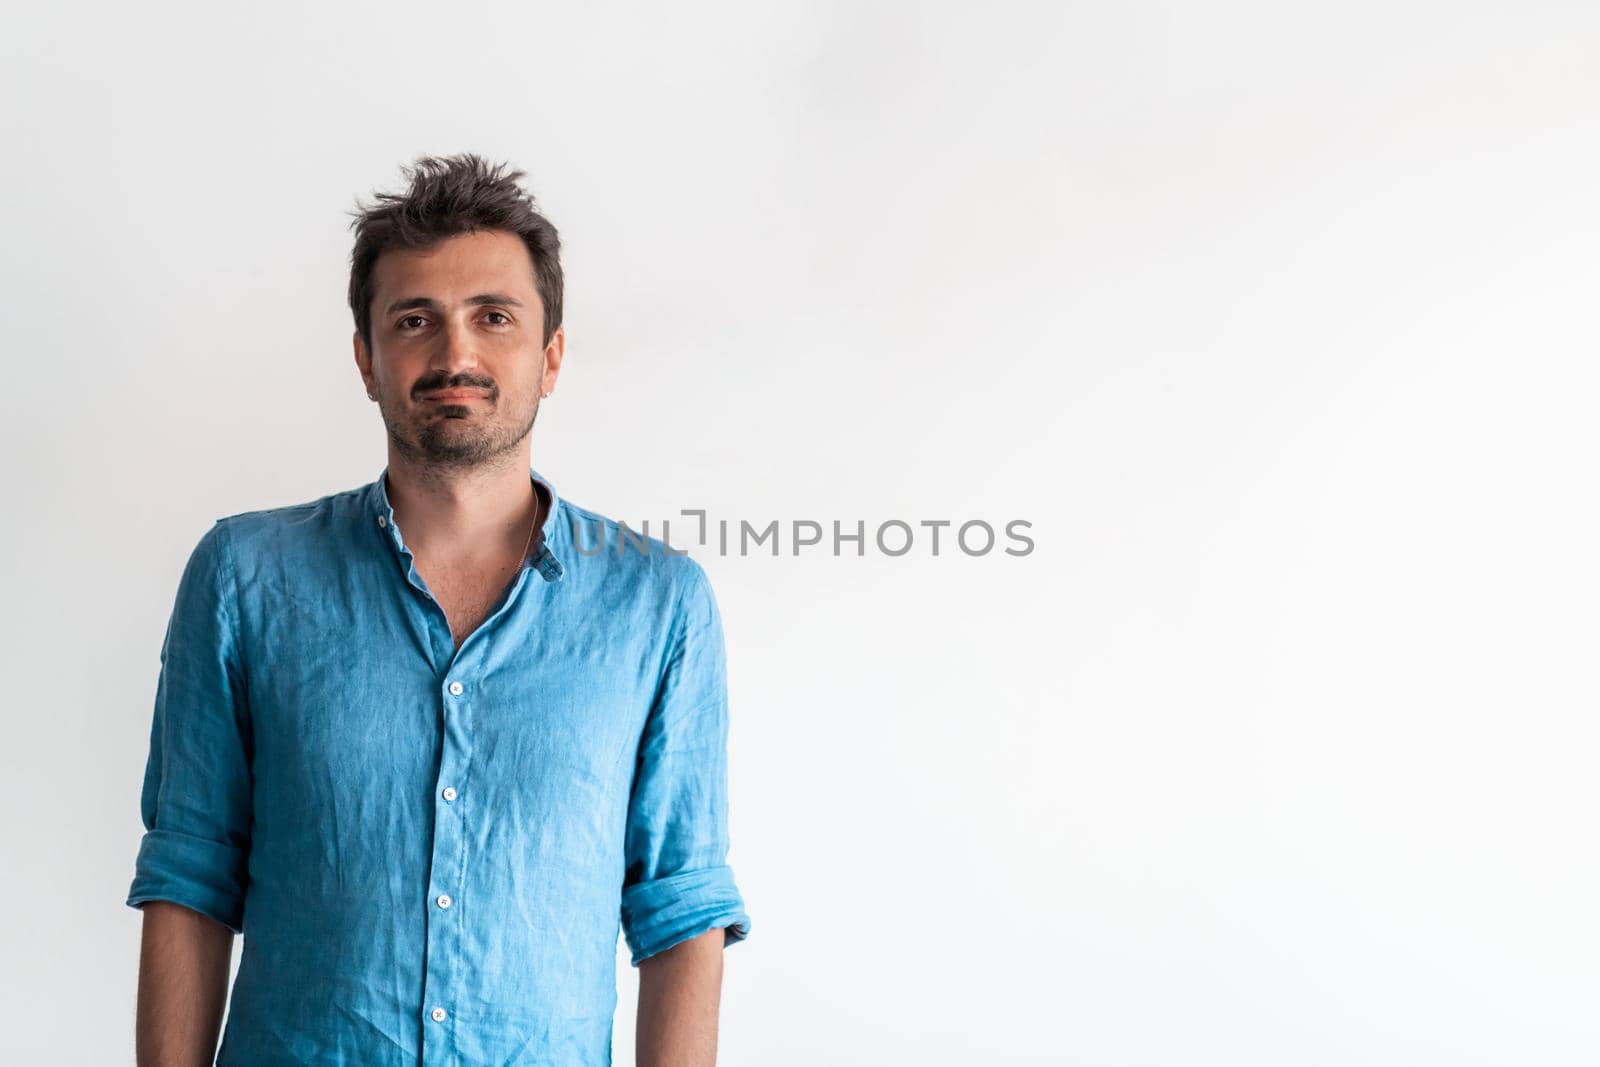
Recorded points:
(192, 871)
(680, 905)
(183, 983)
(679, 994)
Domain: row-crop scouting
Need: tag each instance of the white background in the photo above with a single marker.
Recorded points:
(1276, 320)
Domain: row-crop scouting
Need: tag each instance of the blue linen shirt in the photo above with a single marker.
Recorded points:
(430, 851)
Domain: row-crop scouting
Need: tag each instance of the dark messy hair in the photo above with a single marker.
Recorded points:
(448, 196)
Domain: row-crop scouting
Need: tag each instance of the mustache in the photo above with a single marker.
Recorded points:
(425, 386)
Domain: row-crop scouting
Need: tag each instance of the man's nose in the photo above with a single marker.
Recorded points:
(457, 349)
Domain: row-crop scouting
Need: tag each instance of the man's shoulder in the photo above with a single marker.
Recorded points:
(279, 530)
(595, 541)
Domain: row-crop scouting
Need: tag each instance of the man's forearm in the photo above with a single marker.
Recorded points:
(680, 991)
(183, 984)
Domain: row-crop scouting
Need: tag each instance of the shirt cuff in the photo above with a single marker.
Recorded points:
(201, 875)
(659, 914)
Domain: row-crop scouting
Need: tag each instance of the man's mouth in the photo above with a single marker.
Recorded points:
(456, 394)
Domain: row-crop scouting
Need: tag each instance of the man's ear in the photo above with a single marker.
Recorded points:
(553, 354)
(364, 364)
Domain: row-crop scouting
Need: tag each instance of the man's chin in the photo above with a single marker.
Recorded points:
(453, 442)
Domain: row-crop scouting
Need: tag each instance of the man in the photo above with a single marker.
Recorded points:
(431, 742)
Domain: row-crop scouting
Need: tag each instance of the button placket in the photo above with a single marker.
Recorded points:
(442, 963)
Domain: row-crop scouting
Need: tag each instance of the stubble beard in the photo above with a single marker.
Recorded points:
(455, 437)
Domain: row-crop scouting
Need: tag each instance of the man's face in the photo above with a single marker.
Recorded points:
(457, 361)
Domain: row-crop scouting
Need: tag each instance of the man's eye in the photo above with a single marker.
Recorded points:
(500, 314)
(405, 323)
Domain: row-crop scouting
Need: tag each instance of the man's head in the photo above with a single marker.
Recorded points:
(455, 285)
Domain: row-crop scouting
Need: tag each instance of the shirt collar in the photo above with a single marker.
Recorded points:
(543, 557)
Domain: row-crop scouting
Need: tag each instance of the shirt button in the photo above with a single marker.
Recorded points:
(382, 521)
(449, 792)
(455, 689)
(437, 1014)
(444, 900)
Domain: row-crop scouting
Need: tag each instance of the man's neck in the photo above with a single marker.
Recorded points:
(477, 513)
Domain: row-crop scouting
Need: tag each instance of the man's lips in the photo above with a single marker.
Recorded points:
(457, 394)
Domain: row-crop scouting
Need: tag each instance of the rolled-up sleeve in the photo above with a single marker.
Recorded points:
(196, 799)
(677, 882)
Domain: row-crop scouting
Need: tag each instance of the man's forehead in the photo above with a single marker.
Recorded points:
(485, 259)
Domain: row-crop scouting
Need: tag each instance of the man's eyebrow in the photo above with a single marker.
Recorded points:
(429, 304)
